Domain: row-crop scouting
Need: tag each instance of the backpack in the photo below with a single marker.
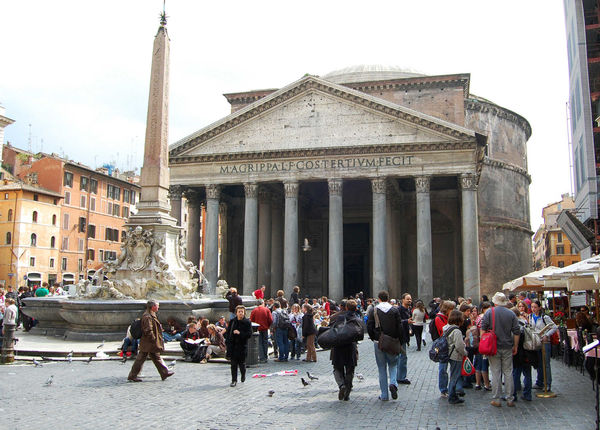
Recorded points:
(433, 331)
(283, 320)
(440, 351)
(136, 328)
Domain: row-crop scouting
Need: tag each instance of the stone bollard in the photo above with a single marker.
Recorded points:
(8, 345)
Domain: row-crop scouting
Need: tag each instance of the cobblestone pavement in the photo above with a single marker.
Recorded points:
(198, 396)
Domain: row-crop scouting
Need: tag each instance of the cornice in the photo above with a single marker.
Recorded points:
(505, 225)
(321, 152)
(312, 83)
(507, 166)
(484, 106)
(4, 121)
(416, 82)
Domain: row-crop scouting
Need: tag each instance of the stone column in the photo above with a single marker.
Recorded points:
(193, 233)
(276, 246)
(378, 186)
(250, 238)
(264, 237)
(290, 238)
(424, 248)
(470, 236)
(223, 248)
(336, 240)
(175, 193)
(211, 253)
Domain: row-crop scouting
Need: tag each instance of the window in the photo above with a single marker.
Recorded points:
(125, 196)
(92, 204)
(5, 196)
(36, 197)
(8, 238)
(65, 243)
(33, 239)
(66, 221)
(110, 255)
(68, 180)
(32, 261)
(112, 234)
(53, 219)
(51, 263)
(82, 202)
(55, 202)
(63, 264)
(10, 214)
(109, 208)
(559, 237)
(82, 223)
(125, 212)
(79, 265)
(94, 186)
(90, 254)
(80, 245)
(34, 216)
(92, 231)
(67, 198)
(84, 183)
(560, 249)
(116, 210)
(132, 197)
(101, 253)
(561, 264)
(52, 242)
(113, 192)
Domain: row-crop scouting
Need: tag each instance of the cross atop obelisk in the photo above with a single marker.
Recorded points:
(153, 206)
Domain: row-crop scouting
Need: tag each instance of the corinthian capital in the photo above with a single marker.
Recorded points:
(335, 187)
(291, 189)
(251, 190)
(213, 191)
(422, 183)
(468, 181)
(379, 185)
(175, 192)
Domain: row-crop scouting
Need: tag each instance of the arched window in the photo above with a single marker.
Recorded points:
(34, 216)
(8, 238)
(52, 242)
(33, 239)
(10, 213)
(53, 219)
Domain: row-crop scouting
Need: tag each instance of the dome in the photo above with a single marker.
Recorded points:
(369, 73)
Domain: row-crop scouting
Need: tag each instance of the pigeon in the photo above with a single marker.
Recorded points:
(271, 392)
(360, 377)
(101, 345)
(70, 355)
(46, 358)
(37, 363)
(65, 337)
(70, 359)
(312, 378)
(89, 360)
(172, 364)
(304, 382)
(49, 381)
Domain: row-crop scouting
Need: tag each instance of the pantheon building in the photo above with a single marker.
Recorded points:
(364, 179)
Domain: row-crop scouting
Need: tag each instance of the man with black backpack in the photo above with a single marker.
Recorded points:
(281, 323)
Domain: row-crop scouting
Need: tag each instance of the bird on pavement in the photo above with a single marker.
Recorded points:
(89, 360)
(49, 381)
(70, 355)
(304, 382)
(37, 363)
(101, 345)
(70, 359)
(271, 392)
(172, 364)
(360, 377)
(312, 378)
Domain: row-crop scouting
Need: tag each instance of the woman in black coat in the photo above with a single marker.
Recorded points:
(238, 333)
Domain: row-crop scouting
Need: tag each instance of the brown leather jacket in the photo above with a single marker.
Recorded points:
(152, 340)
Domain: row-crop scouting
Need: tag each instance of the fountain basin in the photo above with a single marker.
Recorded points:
(46, 310)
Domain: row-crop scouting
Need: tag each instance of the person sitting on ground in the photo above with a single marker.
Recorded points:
(191, 319)
(221, 324)
(195, 352)
(173, 330)
(456, 346)
(203, 328)
(129, 343)
(216, 342)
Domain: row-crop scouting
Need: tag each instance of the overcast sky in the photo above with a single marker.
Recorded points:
(78, 71)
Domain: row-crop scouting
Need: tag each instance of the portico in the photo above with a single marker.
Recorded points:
(337, 192)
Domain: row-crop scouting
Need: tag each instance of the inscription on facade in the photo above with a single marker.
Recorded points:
(321, 164)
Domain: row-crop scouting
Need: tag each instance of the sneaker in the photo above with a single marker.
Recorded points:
(478, 387)
(342, 392)
(404, 381)
(444, 394)
(527, 399)
(347, 395)
(487, 388)
(456, 401)
(121, 354)
(539, 387)
(383, 400)
(128, 354)
(394, 391)
(461, 394)
(496, 403)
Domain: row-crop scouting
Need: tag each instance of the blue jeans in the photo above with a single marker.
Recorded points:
(130, 343)
(385, 361)
(402, 364)
(167, 337)
(283, 344)
(455, 385)
(443, 379)
(263, 344)
(526, 371)
(296, 345)
(540, 371)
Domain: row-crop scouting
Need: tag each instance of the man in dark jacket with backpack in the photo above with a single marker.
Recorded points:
(388, 322)
(281, 323)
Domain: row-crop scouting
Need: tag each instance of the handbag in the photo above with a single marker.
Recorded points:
(488, 343)
(344, 331)
(467, 368)
(292, 334)
(531, 340)
(386, 343)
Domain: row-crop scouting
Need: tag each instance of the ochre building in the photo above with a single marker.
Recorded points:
(367, 178)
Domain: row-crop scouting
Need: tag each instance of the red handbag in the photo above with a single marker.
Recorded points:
(488, 344)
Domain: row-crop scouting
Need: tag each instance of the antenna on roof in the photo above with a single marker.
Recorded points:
(29, 139)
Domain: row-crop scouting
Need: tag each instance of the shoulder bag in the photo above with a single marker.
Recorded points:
(386, 343)
(488, 343)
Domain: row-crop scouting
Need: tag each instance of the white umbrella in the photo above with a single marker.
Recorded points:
(531, 281)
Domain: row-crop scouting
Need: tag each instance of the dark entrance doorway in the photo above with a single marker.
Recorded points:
(356, 259)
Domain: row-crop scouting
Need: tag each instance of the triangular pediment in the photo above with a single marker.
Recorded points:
(315, 114)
